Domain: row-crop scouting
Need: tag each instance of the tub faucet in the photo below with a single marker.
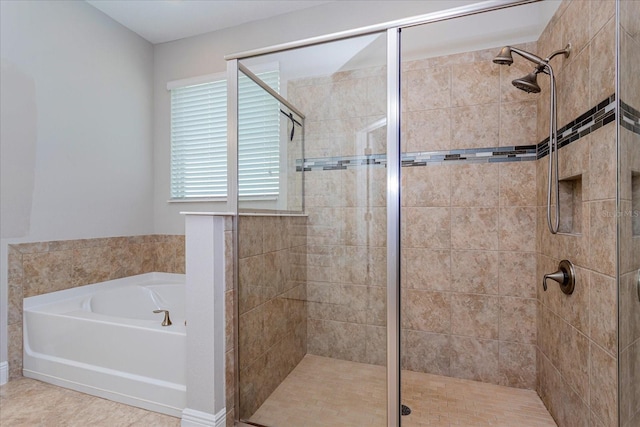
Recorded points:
(167, 320)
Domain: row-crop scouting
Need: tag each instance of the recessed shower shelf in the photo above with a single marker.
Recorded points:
(570, 205)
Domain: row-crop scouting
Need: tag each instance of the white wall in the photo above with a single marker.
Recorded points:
(82, 97)
(76, 128)
(204, 54)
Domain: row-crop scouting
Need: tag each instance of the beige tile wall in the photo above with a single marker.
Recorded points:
(468, 234)
(346, 250)
(468, 229)
(629, 229)
(577, 334)
(42, 267)
(271, 304)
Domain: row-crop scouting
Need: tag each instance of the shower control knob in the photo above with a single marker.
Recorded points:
(565, 276)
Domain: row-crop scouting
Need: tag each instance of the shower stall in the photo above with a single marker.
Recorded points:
(391, 235)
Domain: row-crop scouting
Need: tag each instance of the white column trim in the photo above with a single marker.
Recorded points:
(194, 418)
(4, 372)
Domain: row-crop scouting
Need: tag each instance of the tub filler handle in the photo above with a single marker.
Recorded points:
(167, 320)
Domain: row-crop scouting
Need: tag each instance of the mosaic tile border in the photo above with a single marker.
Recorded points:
(593, 119)
(590, 121)
(424, 158)
(629, 117)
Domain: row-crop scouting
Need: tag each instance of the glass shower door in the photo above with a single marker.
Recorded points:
(311, 292)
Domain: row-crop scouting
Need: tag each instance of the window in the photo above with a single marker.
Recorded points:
(199, 138)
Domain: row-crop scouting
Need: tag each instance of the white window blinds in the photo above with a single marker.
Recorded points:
(258, 137)
(199, 139)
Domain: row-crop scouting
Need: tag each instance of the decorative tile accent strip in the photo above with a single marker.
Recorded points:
(598, 116)
(341, 163)
(629, 117)
(423, 158)
(478, 155)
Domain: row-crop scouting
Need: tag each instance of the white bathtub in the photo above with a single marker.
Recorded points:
(105, 340)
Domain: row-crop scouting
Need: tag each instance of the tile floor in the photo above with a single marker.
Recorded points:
(320, 392)
(323, 392)
(30, 403)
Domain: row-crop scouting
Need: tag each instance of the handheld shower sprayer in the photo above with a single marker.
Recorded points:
(529, 84)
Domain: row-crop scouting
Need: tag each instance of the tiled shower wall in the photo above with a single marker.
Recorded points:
(577, 334)
(629, 229)
(42, 267)
(468, 227)
(271, 304)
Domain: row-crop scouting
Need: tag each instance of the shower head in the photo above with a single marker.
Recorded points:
(505, 57)
(528, 83)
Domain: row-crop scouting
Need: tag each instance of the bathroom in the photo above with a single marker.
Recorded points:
(501, 329)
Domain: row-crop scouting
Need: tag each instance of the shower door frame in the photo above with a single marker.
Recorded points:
(393, 31)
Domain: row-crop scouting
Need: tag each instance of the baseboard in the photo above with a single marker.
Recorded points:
(4, 372)
(193, 418)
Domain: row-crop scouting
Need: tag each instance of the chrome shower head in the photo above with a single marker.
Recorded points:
(504, 57)
(528, 83)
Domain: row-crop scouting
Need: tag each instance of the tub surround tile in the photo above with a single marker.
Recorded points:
(14, 350)
(46, 272)
(43, 267)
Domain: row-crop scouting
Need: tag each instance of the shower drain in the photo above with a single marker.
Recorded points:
(405, 410)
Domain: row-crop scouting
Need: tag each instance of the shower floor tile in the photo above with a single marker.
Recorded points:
(322, 392)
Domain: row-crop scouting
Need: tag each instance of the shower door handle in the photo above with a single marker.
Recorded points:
(565, 276)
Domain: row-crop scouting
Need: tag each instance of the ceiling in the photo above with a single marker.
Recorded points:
(160, 21)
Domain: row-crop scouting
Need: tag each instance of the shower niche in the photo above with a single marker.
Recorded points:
(570, 205)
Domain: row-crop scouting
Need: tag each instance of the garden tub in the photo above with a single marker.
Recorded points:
(104, 339)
